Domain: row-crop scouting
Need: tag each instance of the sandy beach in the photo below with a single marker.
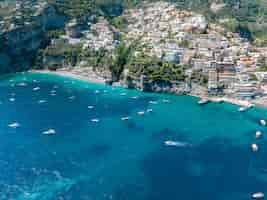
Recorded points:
(89, 77)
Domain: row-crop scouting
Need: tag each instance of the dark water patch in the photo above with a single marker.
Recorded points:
(224, 172)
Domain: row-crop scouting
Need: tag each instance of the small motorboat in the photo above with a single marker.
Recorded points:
(176, 143)
(141, 113)
(14, 125)
(263, 122)
(258, 134)
(242, 109)
(97, 92)
(149, 110)
(12, 99)
(123, 94)
(254, 147)
(258, 195)
(55, 87)
(49, 132)
(203, 101)
(90, 107)
(153, 102)
(36, 88)
(135, 97)
(166, 101)
(42, 101)
(22, 84)
(95, 120)
(125, 118)
(72, 97)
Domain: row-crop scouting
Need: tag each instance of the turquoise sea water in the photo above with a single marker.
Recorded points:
(124, 160)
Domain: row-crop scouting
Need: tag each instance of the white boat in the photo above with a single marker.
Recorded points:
(72, 97)
(149, 110)
(49, 132)
(123, 94)
(176, 143)
(53, 91)
(36, 89)
(14, 125)
(90, 107)
(263, 122)
(135, 97)
(42, 101)
(242, 109)
(258, 195)
(153, 102)
(97, 91)
(55, 87)
(254, 147)
(166, 101)
(22, 84)
(203, 101)
(53, 94)
(12, 99)
(258, 134)
(141, 113)
(95, 120)
(125, 118)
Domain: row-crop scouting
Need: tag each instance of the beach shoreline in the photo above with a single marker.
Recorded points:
(93, 78)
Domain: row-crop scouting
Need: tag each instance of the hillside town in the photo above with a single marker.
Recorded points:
(229, 64)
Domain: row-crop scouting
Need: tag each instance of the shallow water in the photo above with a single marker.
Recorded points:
(123, 160)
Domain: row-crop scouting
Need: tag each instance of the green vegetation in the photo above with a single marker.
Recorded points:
(155, 69)
(58, 56)
(122, 56)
